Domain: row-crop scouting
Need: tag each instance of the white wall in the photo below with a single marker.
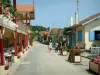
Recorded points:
(94, 25)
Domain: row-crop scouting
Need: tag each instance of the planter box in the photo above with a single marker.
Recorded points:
(77, 59)
(6, 67)
(94, 67)
(64, 52)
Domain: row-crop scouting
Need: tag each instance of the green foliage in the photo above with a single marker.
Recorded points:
(30, 27)
(11, 9)
(5, 3)
(48, 28)
(32, 37)
(38, 28)
(14, 13)
(65, 30)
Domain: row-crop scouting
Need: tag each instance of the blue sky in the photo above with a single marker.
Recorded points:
(56, 13)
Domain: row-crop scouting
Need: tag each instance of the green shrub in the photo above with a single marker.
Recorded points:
(32, 38)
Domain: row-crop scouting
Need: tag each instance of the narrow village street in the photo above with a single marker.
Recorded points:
(49, 37)
(41, 62)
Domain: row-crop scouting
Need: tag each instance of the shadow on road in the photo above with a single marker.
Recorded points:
(91, 72)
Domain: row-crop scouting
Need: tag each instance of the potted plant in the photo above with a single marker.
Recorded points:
(94, 65)
(7, 67)
(64, 50)
(75, 56)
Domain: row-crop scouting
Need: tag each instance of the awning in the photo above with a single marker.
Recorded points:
(5, 22)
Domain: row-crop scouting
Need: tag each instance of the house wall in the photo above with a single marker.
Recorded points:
(11, 40)
(94, 25)
(8, 36)
(73, 38)
(83, 35)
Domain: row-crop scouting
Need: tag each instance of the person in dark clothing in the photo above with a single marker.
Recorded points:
(60, 48)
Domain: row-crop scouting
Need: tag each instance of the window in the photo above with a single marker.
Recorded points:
(91, 35)
(80, 35)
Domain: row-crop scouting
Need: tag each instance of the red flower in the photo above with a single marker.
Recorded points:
(76, 52)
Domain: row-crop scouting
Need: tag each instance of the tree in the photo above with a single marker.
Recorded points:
(38, 28)
(48, 28)
(32, 37)
(65, 30)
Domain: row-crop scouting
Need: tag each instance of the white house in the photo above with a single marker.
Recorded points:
(85, 32)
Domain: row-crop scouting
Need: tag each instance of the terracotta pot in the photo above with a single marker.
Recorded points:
(6, 67)
(19, 55)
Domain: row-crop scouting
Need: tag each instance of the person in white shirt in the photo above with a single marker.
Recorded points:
(50, 46)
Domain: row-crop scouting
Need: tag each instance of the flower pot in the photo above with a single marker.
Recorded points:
(6, 67)
(94, 67)
(64, 52)
(77, 59)
(19, 55)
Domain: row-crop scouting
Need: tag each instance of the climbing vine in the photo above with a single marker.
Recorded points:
(6, 3)
(13, 12)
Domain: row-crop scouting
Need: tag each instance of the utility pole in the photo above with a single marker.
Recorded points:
(78, 6)
(77, 13)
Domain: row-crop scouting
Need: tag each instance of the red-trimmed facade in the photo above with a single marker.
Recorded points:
(15, 36)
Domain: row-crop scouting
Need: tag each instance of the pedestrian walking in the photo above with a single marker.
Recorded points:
(50, 47)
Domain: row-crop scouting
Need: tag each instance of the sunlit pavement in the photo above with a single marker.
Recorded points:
(41, 62)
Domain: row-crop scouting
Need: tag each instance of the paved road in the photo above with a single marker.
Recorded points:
(40, 62)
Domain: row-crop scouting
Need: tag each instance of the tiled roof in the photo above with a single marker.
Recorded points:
(87, 19)
(48, 33)
(25, 8)
(54, 30)
(43, 33)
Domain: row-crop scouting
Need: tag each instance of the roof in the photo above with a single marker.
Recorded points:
(22, 9)
(54, 30)
(25, 8)
(60, 32)
(86, 20)
(48, 33)
(43, 33)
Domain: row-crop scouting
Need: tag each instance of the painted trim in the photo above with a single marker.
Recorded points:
(91, 20)
(80, 35)
(91, 35)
